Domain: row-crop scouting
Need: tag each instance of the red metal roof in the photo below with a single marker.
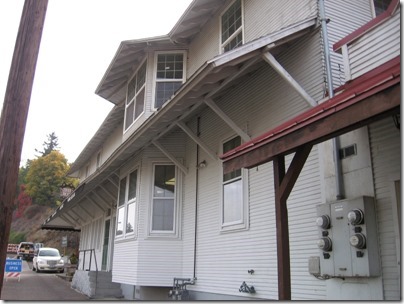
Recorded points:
(360, 88)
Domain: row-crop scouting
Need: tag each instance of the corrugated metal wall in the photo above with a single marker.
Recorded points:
(385, 141)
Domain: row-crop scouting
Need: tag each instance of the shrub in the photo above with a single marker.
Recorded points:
(16, 237)
(31, 211)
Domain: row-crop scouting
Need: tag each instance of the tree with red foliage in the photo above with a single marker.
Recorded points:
(23, 201)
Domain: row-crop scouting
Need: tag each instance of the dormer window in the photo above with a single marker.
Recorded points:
(170, 75)
(232, 27)
(135, 96)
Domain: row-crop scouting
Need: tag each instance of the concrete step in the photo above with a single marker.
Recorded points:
(108, 292)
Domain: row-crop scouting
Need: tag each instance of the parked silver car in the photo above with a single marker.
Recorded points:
(48, 259)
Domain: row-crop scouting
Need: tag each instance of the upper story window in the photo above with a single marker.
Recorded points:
(232, 27)
(234, 201)
(135, 97)
(98, 161)
(170, 75)
(381, 6)
(127, 205)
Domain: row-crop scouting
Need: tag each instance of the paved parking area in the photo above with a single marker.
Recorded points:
(38, 287)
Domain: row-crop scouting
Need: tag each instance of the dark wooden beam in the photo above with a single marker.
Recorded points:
(294, 170)
(15, 111)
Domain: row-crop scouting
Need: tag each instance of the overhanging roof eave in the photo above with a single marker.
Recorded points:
(384, 78)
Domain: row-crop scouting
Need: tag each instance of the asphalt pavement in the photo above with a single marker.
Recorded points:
(34, 286)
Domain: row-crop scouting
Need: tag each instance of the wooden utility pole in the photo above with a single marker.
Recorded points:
(14, 114)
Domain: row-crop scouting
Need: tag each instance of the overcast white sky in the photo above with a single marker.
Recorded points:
(79, 40)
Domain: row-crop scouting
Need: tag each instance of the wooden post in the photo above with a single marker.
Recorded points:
(284, 182)
(282, 231)
(14, 114)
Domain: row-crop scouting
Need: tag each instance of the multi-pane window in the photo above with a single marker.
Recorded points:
(135, 96)
(381, 6)
(232, 27)
(127, 205)
(164, 198)
(233, 203)
(169, 76)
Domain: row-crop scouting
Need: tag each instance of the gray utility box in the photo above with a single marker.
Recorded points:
(348, 238)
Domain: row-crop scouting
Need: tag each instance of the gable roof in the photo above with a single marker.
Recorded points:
(112, 86)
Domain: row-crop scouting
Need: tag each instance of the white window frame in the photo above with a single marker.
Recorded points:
(127, 202)
(136, 116)
(240, 29)
(156, 80)
(174, 233)
(98, 160)
(373, 7)
(243, 223)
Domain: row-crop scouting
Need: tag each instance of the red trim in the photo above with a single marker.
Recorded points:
(368, 84)
(368, 26)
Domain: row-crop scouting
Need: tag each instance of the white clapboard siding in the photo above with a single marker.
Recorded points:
(262, 17)
(344, 19)
(223, 259)
(91, 238)
(386, 155)
(303, 235)
(125, 263)
(156, 260)
(375, 47)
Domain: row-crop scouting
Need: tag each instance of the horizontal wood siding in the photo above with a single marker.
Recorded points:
(376, 47)
(126, 262)
(386, 154)
(303, 233)
(156, 260)
(344, 19)
(261, 101)
(263, 17)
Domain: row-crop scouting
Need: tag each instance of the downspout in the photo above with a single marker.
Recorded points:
(196, 192)
(339, 183)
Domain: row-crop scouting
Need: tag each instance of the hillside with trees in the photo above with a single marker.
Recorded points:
(38, 194)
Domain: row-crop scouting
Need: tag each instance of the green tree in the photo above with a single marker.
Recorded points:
(50, 145)
(45, 176)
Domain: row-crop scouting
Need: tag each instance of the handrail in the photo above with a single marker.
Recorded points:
(90, 264)
(84, 259)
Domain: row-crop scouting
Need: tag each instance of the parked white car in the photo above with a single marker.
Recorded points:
(48, 259)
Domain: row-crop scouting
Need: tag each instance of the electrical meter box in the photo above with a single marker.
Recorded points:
(348, 238)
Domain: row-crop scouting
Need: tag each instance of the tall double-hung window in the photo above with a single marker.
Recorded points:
(234, 200)
(164, 202)
(126, 214)
(170, 75)
(232, 27)
(135, 98)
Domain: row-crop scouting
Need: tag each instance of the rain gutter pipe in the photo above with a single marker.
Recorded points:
(339, 183)
(198, 132)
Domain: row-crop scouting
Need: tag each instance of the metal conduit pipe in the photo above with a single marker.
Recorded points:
(339, 182)
(198, 133)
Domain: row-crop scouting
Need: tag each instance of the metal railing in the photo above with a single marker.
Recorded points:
(92, 251)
